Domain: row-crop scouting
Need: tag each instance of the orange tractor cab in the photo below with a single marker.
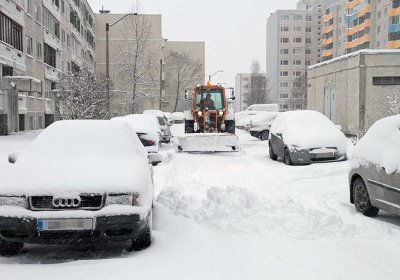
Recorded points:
(210, 124)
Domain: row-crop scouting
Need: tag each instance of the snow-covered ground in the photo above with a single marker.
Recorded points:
(233, 216)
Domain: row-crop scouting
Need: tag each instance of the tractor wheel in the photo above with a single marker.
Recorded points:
(189, 126)
(230, 126)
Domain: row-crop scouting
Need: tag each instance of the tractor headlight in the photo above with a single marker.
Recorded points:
(123, 199)
(200, 113)
(221, 113)
(19, 201)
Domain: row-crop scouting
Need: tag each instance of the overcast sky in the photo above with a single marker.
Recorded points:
(234, 31)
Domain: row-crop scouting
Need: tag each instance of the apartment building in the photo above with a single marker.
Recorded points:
(39, 40)
(294, 40)
(350, 26)
(242, 90)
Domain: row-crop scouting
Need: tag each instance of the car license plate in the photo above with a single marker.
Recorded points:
(64, 224)
(325, 155)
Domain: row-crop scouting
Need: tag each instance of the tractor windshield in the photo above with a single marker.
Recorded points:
(209, 99)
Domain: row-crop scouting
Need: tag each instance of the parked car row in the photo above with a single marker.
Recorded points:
(305, 137)
(97, 185)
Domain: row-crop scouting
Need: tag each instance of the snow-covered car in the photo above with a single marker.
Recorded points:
(244, 118)
(260, 125)
(79, 181)
(264, 107)
(165, 130)
(305, 137)
(178, 117)
(148, 134)
(375, 174)
(169, 117)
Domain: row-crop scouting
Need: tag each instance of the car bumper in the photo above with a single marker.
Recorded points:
(112, 228)
(300, 157)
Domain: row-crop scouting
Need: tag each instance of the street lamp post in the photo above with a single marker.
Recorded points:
(210, 76)
(161, 75)
(108, 56)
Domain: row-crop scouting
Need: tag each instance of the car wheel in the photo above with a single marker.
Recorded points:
(286, 157)
(264, 135)
(362, 201)
(10, 248)
(272, 155)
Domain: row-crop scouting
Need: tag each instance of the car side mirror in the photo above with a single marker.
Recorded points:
(187, 95)
(154, 158)
(12, 158)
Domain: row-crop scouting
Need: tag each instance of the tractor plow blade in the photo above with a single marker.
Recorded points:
(209, 142)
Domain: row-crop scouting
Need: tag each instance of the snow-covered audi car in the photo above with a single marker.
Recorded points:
(79, 181)
(305, 137)
(375, 174)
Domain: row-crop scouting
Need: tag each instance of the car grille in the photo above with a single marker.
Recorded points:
(88, 202)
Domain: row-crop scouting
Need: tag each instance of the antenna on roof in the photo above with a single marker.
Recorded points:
(102, 11)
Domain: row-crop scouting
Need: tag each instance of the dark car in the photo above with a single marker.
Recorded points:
(305, 137)
(374, 178)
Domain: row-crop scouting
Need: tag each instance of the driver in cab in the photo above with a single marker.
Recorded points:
(207, 103)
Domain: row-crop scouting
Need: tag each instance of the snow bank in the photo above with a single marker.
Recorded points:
(309, 129)
(381, 145)
(235, 209)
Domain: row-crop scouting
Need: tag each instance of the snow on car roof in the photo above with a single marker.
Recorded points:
(380, 145)
(139, 122)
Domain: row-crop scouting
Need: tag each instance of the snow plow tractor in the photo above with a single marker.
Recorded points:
(210, 124)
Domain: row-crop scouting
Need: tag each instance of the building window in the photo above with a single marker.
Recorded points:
(309, 18)
(297, 51)
(308, 51)
(284, 51)
(39, 51)
(308, 40)
(68, 40)
(284, 73)
(297, 40)
(296, 73)
(28, 7)
(11, 32)
(284, 95)
(49, 56)
(285, 29)
(386, 81)
(284, 106)
(297, 62)
(29, 45)
(297, 29)
(284, 84)
(308, 29)
(284, 40)
(285, 18)
(284, 62)
(51, 23)
(38, 13)
(74, 19)
(62, 7)
(298, 17)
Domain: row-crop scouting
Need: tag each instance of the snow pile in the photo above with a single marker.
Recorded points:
(239, 210)
(381, 145)
(309, 129)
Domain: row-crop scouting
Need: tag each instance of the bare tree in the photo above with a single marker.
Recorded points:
(136, 60)
(183, 72)
(82, 94)
(299, 91)
(258, 85)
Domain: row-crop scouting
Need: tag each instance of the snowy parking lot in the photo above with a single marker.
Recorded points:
(232, 216)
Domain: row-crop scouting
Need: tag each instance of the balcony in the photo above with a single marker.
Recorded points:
(51, 73)
(394, 12)
(2, 98)
(351, 4)
(357, 42)
(327, 18)
(51, 40)
(394, 44)
(56, 11)
(358, 28)
(22, 104)
(12, 57)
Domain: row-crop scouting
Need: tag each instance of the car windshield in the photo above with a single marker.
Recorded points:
(209, 99)
(161, 121)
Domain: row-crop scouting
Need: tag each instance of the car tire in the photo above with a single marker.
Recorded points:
(264, 136)
(144, 239)
(10, 248)
(272, 155)
(362, 201)
(286, 157)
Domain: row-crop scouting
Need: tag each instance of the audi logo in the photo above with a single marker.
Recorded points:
(66, 202)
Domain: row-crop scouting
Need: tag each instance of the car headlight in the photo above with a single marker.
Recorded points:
(200, 113)
(122, 199)
(19, 201)
(221, 113)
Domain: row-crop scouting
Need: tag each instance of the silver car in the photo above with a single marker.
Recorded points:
(374, 178)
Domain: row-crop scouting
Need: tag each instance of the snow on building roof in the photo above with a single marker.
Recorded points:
(346, 56)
